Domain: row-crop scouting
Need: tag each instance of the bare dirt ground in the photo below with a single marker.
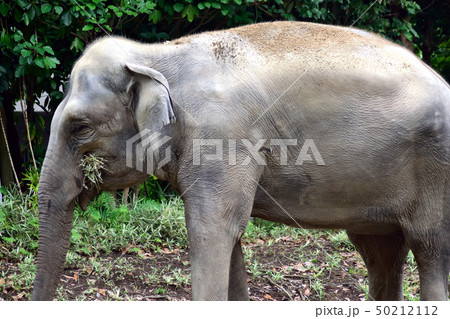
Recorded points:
(275, 272)
(307, 268)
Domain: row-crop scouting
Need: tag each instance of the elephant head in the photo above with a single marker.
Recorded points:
(111, 98)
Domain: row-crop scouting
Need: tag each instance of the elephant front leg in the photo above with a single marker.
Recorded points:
(210, 259)
(214, 236)
(216, 220)
(237, 287)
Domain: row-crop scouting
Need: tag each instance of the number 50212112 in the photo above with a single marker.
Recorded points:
(406, 310)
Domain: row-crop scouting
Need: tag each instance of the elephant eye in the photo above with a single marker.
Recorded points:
(81, 131)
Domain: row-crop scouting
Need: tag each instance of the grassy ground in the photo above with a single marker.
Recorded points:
(140, 252)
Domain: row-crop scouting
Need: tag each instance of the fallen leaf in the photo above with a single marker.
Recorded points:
(102, 292)
(307, 292)
(267, 296)
(146, 255)
(285, 268)
(75, 276)
(299, 267)
(18, 297)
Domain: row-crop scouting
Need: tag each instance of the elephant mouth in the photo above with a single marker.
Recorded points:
(85, 196)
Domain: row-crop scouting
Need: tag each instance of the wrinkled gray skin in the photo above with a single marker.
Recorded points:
(379, 117)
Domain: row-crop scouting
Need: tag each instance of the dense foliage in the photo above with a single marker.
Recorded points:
(40, 40)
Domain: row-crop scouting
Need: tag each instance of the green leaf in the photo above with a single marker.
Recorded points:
(224, 12)
(66, 18)
(201, 6)
(48, 63)
(178, 7)
(52, 62)
(49, 50)
(33, 39)
(39, 62)
(5, 39)
(150, 5)
(40, 120)
(216, 5)
(39, 50)
(23, 4)
(190, 11)
(207, 4)
(4, 8)
(155, 16)
(77, 44)
(87, 27)
(20, 70)
(46, 8)
(32, 129)
(26, 18)
(58, 95)
(53, 84)
(25, 53)
(58, 9)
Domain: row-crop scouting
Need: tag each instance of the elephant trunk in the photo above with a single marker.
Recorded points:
(60, 184)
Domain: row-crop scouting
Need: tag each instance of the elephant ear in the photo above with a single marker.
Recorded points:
(150, 97)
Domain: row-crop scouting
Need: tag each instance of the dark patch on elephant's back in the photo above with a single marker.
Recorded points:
(49, 204)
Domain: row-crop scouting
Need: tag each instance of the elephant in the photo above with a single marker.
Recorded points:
(310, 125)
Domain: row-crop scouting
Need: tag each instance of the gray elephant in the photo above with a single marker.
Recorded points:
(309, 125)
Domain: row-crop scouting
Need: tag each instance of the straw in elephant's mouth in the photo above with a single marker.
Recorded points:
(92, 167)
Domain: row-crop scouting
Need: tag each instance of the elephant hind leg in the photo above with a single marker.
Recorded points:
(384, 257)
(432, 253)
(428, 236)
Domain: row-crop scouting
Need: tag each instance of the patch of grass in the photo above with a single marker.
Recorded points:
(340, 240)
(276, 276)
(103, 228)
(19, 224)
